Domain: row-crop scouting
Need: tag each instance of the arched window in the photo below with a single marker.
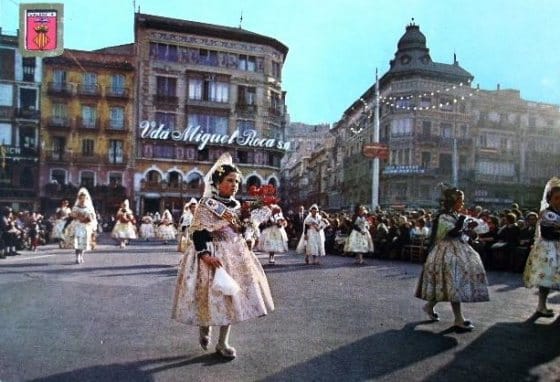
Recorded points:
(253, 181)
(194, 180)
(153, 176)
(174, 178)
(273, 182)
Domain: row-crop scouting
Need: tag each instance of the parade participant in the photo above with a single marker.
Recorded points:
(218, 244)
(147, 230)
(184, 223)
(359, 242)
(543, 265)
(61, 215)
(125, 226)
(166, 229)
(453, 270)
(312, 241)
(83, 224)
(273, 238)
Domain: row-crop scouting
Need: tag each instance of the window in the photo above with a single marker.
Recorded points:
(166, 86)
(87, 179)
(401, 127)
(174, 179)
(167, 119)
(7, 61)
(59, 147)
(58, 176)
(203, 155)
(164, 52)
(116, 151)
(153, 176)
(194, 180)
(253, 180)
(496, 168)
(532, 122)
(218, 91)
(195, 89)
(426, 128)
(60, 111)
(464, 131)
(244, 125)
(27, 137)
(5, 133)
(247, 95)
(445, 163)
(117, 84)
(247, 63)
(89, 117)
(213, 124)
(89, 83)
(87, 147)
(27, 98)
(164, 151)
(276, 70)
(446, 130)
(117, 118)
(208, 57)
(59, 77)
(425, 102)
(446, 104)
(426, 159)
(115, 179)
(28, 69)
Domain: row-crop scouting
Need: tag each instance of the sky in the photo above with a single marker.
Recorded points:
(335, 46)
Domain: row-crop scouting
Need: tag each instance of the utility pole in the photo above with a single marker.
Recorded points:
(375, 167)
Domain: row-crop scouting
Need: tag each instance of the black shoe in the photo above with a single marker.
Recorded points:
(465, 326)
(545, 313)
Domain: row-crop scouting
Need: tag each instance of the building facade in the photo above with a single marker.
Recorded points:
(20, 80)
(493, 144)
(202, 90)
(88, 106)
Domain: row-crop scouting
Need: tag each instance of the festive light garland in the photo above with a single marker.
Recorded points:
(392, 101)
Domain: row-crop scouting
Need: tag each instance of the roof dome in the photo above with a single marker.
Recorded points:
(412, 38)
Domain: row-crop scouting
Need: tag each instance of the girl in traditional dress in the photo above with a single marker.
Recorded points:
(453, 270)
(312, 241)
(62, 214)
(273, 238)
(359, 242)
(218, 242)
(147, 230)
(166, 230)
(83, 224)
(543, 264)
(125, 226)
(184, 223)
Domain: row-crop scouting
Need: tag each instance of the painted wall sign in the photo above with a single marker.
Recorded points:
(42, 26)
(195, 134)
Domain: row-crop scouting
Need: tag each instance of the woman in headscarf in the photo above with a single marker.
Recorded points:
(125, 226)
(543, 264)
(166, 229)
(359, 242)
(62, 213)
(83, 224)
(184, 223)
(312, 241)
(453, 270)
(218, 243)
(273, 238)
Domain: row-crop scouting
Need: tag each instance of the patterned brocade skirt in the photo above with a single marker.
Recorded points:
(453, 272)
(543, 265)
(196, 303)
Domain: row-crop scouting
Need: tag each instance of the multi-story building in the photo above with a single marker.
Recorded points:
(20, 79)
(492, 144)
(202, 90)
(87, 105)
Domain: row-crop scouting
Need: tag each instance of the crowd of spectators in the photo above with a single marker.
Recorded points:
(503, 238)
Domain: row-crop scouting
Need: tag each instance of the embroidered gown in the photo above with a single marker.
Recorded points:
(147, 230)
(543, 264)
(80, 233)
(274, 238)
(62, 214)
(124, 227)
(359, 240)
(195, 302)
(453, 270)
(313, 227)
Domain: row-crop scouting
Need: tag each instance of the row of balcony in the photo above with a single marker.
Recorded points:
(169, 102)
(116, 126)
(70, 157)
(7, 112)
(65, 89)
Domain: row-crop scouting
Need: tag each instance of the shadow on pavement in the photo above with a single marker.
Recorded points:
(507, 351)
(371, 357)
(140, 371)
(160, 267)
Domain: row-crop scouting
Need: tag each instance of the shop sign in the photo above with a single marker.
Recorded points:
(194, 134)
(404, 170)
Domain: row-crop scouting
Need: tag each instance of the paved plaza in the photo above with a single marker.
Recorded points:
(109, 320)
